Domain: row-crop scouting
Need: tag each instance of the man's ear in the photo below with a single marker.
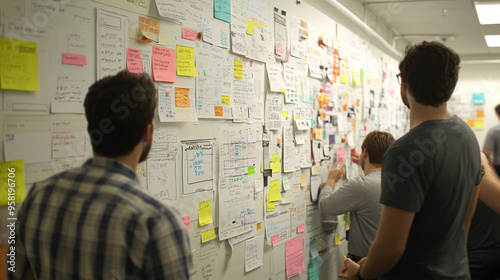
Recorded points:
(365, 154)
(147, 134)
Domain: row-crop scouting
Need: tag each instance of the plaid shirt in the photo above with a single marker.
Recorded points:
(94, 222)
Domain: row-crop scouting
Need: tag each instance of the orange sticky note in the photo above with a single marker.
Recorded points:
(259, 226)
(471, 123)
(189, 34)
(219, 112)
(182, 97)
(480, 113)
(300, 228)
(74, 59)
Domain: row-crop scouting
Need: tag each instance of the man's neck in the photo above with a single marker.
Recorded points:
(371, 167)
(421, 113)
(129, 160)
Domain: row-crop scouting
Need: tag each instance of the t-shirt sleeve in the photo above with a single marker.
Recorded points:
(404, 183)
(343, 199)
(489, 141)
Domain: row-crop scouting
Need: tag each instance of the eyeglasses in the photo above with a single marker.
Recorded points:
(398, 76)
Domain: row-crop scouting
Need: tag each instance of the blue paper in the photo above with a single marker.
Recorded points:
(222, 10)
(478, 98)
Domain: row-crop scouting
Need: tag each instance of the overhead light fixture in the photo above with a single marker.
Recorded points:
(488, 13)
(492, 40)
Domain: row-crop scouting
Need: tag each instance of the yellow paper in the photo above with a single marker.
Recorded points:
(303, 179)
(185, 61)
(337, 239)
(270, 205)
(226, 100)
(285, 114)
(250, 25)
(182, 97)
(355, 78)
(205, 213)
(238, 69)
(19, 65)
(479, 124)
(283, 90)
(275, 163)
(315, 169)
(343, 78)
(208, 235)
(275, 190)
(12, 177)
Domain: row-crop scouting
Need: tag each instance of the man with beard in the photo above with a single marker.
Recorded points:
(95, 221)
(430, 179)
(360, 195)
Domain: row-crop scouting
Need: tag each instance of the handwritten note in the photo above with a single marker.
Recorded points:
(208, 235)
(197, 166)
(164, 64)
(222, 10)
(111, 41)
(205, 213)
(238, 69)
(171, 9)
(19, 65)
(68, 144)
(254, 253)
(275, 163)
(150, 29)
(189, 34)
(187, 222)
(275, 190)
(134, 61)
(74, 59)
(12, 186)
(294, 257)
(300, 228)
(182, 97)
(226, 100)
(219, 111)
(185, 61)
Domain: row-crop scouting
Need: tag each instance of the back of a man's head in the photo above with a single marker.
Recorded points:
(430, 70)
(376, 144)
(118, 109)
(497, 109)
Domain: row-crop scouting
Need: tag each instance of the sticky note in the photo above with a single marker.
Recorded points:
(300, 228)
(285, 114)
(270, 205)
(226, 100)
(479, 124)
(19, 65)
(315, 169)
(275, 163)
(134, 61)
(219, 112)
(205, 213)
(285, 183)
(222, 10)
(312, 272)
(275, 238)
(343, 78)
(259, 226)
(12, 177)
(277, 50)
(74, 59)
(478, 98)
(185, 61)
(294, 257)
(480, 113)
(189, 34)
(208, 235)
(471, 123)
(275, 190)
(164, 64)
(182, 97)
(303, 179)
(187, 222)
(337, 239)
(251, 170)
(238, 69)
(249, 27)
(150, 29)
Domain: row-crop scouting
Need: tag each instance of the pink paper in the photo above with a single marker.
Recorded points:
(294, 257)
(74, 59)
(164, 65)
(278, 50)
(275, 238)
(187, 222)
(340, 155)
(300, 228)
(189, 34)
(134, 61)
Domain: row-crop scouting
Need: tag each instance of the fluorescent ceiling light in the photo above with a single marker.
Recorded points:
(492, 40)
(488, 13)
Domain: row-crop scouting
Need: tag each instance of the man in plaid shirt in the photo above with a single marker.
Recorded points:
(95, 222)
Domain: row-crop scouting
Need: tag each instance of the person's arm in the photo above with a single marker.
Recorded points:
(487, 152)
(387, 247)
(490, 187)
(472, 208)
(342, 200)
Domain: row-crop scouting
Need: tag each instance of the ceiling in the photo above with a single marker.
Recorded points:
(453, 22)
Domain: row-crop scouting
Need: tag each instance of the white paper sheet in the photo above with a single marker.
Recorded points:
(111, 41)
(31, 146)
(176, 103)
(254, 253)
(197, 166)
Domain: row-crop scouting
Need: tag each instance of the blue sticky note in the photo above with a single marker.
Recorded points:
(222, 10)
(313, 272)
(478, 98)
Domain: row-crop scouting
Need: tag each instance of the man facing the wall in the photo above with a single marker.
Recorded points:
(491, 147)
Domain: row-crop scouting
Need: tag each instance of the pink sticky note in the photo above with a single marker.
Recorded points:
(278, 50)
(275, 238)
(300, 228)
(164, 64)
(340, 155)
(189, 34)
(74, 59)
(187, 222)
(294, 257)
(134, 61)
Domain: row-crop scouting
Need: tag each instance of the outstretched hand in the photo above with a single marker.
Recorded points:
(348, 271)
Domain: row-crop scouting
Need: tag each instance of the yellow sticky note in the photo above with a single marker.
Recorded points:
(297, 117)
(270, 205)
(250, 25)
(337, 239)
(275, 190)
(285, 114)
(226, 100)
(19, 65)
(315, 170)
(12, 186)
(343, 78)
(238, 69)
(283, 90)
(355, 78)
(303, 179)
(208, 235)
(182, 97)
(205, 212)
(275, 163)
(185, 61)
(479, 124)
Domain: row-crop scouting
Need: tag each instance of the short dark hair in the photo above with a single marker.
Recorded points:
(118, 109)
(430, 70)
(376, 144)
(497, 109)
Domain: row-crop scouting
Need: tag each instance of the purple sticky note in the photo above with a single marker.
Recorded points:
(331, 138)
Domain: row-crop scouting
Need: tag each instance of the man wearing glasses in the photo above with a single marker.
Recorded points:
(428, 179)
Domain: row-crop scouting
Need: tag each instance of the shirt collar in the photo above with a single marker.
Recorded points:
(114, 165)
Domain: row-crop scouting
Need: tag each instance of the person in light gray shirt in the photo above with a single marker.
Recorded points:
(359, 196)
(491, 147)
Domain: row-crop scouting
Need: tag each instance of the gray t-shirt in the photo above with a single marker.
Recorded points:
(360, 197)
(432, 171)
(492, 142)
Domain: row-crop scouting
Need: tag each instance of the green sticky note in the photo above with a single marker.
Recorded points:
(313, 272)
(286, 184)
(251, 170)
